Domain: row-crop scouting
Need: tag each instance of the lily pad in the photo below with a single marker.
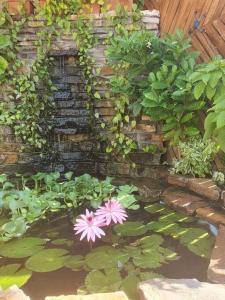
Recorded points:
(47, 260)
(151, 242)
(103, 281)
(154, 258)
(22, 248)
(13, 274)
(74, 262)
(198, 241)
(165, 227)
(62, 242)
(131, 229)
(158, 208)
(106, 257)
(176, 217)
(129, 286)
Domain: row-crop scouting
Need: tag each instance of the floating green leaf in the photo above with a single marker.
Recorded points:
(197, 240)
(74, 262)
(165, 227)
(47, 260)
(174, 216)
(129, 286)
(106, 257)
(130, 229)
(22, 248)
(13, 274)
(103, 281)
(151, 242)
(158, 208)
(149, 275)
(62, 242)
(154, 258)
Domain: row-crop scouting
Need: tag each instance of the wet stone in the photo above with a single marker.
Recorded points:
(13, 293)
(211, 215)
(180, 289)
(216, 270)
(182, 201)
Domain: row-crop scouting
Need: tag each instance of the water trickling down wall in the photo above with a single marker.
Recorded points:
(75, 146)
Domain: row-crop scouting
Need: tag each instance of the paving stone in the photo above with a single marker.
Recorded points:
(180, 289)
(13, 293)
(182, 201)
(104, 296)
(211, 215)
(216, 270)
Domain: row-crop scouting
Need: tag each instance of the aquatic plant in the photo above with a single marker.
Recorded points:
(43, 194)
(89, 226)
(111, 212)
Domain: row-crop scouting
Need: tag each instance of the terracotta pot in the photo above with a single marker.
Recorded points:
(42, 2)
(14, 7)
(126, 3)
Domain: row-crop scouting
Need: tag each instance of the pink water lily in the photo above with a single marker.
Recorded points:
(89, 226)
(112, 211)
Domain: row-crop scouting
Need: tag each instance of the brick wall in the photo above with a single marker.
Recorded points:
(75, 146)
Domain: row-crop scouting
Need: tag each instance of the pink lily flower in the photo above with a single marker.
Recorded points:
(89, 226)
(112, 211)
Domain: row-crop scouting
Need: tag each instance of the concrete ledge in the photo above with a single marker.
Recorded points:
(104, 296)
(180, 289)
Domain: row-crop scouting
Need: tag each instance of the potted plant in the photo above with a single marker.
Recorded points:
(125, 3)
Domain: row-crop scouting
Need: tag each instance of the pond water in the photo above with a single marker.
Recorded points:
(154, 242)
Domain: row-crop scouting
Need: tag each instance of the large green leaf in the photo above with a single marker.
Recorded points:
(197, 240)
(154, 258)
(47, 260)
(158, 208)
(130, 286)
(165, 227)
(176, 217)
(130, 229)
(13, 274)
(22, 248)
(74, 262)
(106, 257)
(103, 281)
(3, 65)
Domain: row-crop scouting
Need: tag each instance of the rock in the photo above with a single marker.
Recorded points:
(105, 296)
(216, 270)
(211, 215)
(182, 201)
(13, 293)
(180, 289)
(201, 186)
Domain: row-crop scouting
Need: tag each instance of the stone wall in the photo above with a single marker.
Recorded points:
(76, 148)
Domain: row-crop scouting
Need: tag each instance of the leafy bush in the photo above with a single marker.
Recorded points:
(218, 177)
(24, 206)
(155, 77)
(195, 158)
(209, 83)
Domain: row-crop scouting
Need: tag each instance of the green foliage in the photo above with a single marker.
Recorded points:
(24, 205)
(47, 260)
(22, 248)
(13, 274)
(209, 83)
(195, 158)
(130, 228)
(218, 177)
(155, 78)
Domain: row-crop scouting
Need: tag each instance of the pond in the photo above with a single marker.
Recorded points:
(155, 241)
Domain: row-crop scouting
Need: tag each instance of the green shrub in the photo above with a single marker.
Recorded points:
(218, 177)
(195, 158)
